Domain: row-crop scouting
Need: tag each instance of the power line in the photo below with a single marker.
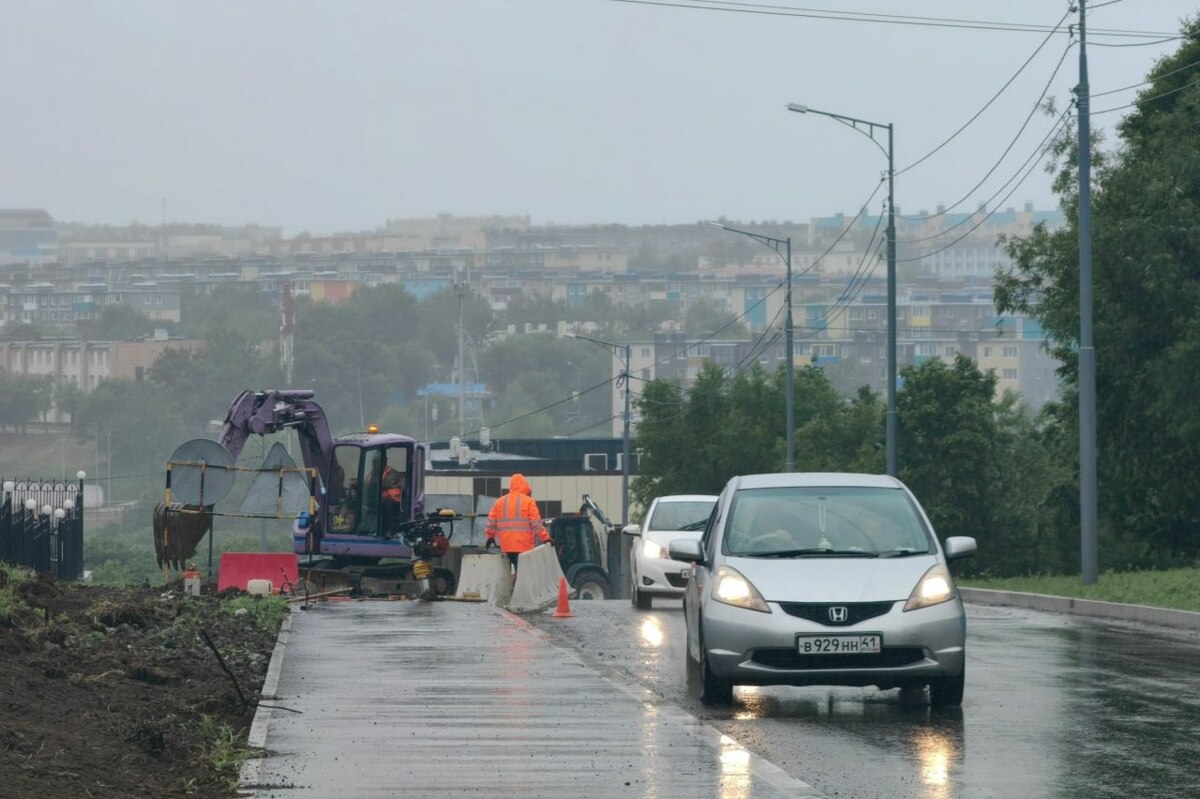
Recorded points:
(990, 214)
(1094, 95)
(765, 9)
(544, 408)
(996, 96)
(1141, 100)
(1007, 150)
(1137, 44)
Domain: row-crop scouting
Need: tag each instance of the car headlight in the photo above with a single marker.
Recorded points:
(732, 588)
(652, 550)
(934, 588)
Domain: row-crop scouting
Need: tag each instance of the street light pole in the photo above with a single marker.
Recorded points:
(789, 333)
(622, 351)
(892, 428)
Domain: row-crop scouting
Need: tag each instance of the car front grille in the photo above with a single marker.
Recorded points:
(820, 613)
(890, 657)
(676, 580)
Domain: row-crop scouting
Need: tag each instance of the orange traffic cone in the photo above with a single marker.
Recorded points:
(564, 607)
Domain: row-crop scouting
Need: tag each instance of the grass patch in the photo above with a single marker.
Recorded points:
(267, 612)
(10, 576)
(1176, 589)
(223, 750)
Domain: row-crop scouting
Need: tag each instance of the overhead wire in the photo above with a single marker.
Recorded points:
(544, 408)
(1020, 131)
(996, 96)
(1036, 159)
(1094, 95)
(1141, 100)
(767, 9)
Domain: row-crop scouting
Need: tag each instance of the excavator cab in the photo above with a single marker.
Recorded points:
(375, 489)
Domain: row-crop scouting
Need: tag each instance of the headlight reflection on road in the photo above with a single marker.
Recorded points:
(735, 770)
(936, 754)
(652, 632)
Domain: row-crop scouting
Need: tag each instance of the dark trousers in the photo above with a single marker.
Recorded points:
(512, 558)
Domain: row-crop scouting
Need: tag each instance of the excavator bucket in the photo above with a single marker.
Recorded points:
(178, 530)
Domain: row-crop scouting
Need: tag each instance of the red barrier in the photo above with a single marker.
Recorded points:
(239, 568)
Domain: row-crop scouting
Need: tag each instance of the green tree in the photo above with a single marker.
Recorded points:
(1146, 295)
(117, 323)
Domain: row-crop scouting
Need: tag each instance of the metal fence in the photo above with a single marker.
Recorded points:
(41, 525)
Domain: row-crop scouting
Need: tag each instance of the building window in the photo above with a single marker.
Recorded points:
(872, 315)
(987, 352)
(950, 352)
(1010, 352)
(645, 352)
(1009, 374)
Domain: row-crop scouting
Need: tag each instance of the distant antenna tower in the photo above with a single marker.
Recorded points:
(287, 310)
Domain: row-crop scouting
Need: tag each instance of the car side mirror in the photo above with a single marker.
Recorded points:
(632, 529)
(959, 546)
(686, 550)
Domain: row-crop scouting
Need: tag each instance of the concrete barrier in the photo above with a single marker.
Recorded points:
(487, 577)
(538, 575)
(1163, 617)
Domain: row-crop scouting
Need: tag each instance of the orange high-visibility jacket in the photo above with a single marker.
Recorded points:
(515, 519)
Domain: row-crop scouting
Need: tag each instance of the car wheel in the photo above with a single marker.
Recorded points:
(641, 600)
(947, 691)
(591, 585)
(710, 689)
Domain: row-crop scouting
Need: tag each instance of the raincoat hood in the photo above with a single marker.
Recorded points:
(519, 484)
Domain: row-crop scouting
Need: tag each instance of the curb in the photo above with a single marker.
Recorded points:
(257, 737)
(1162, 617)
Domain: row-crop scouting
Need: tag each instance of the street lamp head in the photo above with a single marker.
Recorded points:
(9, 486)
(59, 514)
(31, 504)
(47, 510)
(81, 474)
(799, 109)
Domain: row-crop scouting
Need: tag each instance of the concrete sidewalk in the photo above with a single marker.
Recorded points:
(452, 699)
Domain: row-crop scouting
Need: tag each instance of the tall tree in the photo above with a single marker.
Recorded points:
(1146, 294)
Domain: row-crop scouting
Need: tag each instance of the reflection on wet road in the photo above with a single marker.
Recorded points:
(1055, 707)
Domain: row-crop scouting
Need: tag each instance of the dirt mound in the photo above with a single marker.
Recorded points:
(110, 692)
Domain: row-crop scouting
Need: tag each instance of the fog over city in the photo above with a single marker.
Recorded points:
(331, 117)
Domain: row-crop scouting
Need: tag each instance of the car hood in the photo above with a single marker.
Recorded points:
(664, 537)
(834, 579)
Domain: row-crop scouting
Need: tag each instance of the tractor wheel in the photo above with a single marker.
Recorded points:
(591, 585)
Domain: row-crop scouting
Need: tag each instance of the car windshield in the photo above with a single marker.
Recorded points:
(680, 515)
(815, 521)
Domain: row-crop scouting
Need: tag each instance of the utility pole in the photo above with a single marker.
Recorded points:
(461, 291)
(625, 446)
(892, 430)
(1088, 544)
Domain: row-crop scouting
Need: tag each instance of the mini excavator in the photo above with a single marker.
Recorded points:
(366, 494)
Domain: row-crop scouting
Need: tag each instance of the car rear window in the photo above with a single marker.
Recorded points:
(849, 520)
(678, 515)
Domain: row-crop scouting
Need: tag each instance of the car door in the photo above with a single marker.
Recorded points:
(701, 576)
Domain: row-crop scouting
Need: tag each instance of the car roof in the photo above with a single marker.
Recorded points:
(816, 479)
(686, 498)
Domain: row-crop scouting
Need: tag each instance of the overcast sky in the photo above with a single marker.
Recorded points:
(329, 116)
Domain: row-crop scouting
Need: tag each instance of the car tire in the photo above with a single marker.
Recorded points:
(591, 585)
(641, 600)
(947, 691)
(709, 689)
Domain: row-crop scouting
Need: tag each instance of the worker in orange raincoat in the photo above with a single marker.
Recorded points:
(515, 521)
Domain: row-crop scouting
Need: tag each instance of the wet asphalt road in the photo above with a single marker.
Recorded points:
(1056, 706)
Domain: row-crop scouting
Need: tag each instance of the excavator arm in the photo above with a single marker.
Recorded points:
(179, 528)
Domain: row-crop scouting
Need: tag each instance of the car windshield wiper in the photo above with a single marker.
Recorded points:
(807, 553)
(698, 525)
(901, 553)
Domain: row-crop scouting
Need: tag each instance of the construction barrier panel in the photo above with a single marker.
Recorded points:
(538, 575)
(485, 577)
(239, 568)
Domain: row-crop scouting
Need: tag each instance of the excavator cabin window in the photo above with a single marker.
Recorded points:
(370, 492)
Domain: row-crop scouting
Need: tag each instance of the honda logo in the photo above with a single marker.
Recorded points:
(838, 614)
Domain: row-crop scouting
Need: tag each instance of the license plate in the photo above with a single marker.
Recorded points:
(839, 644)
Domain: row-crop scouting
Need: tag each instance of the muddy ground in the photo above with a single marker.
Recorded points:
(109, 692)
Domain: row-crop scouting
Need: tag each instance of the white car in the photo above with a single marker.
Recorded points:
(823, 579)
(652, 573)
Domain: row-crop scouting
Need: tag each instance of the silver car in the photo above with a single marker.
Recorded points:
(822, 579)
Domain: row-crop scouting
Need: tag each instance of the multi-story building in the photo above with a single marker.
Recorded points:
(84, 364)
(27, 237)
